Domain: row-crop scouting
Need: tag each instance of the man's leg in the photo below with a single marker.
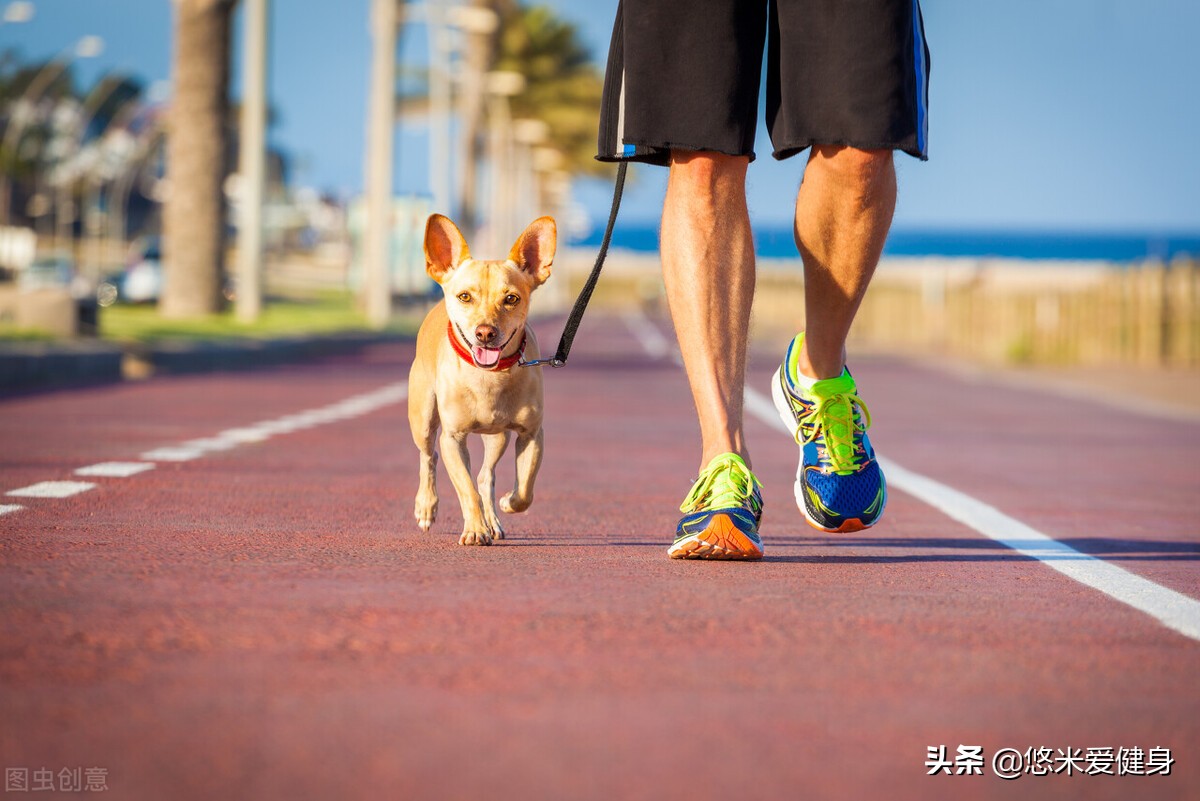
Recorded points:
(843, 213)
(708, 270)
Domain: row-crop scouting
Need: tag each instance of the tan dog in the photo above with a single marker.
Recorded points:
(466, 378)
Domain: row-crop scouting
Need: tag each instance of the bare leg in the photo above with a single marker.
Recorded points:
(708, 270)
(493, 448)
(843, 212)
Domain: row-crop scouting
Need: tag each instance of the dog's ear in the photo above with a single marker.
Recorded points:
(445, 247)
(534, 249)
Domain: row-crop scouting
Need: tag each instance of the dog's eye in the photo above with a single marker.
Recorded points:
(465, 297)
(512, 300)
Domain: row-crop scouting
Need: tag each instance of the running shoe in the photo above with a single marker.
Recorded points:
(721, 514)
(839, 484)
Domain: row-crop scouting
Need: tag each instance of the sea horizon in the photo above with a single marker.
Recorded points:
(1034, 245)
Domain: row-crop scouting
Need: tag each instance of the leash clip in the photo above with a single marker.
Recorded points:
(540, 362)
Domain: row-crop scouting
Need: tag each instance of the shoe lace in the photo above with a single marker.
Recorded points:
(838, 419)
(722, 485)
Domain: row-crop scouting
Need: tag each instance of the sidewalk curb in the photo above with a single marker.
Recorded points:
(44, 365)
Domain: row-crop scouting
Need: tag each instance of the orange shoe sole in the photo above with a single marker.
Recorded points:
(720, 540)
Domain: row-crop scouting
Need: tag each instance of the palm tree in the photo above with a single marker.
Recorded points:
(562, 86)
(193, 214)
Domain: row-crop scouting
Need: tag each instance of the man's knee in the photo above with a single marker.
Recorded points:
(851, 165)
(705, 168)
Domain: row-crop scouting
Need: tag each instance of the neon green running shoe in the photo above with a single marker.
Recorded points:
(839, 485)
(721, 514)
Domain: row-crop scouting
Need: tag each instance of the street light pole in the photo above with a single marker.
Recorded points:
(252, 159)
(381, 118)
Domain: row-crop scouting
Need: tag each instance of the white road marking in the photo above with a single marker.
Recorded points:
(7, 508)
(1174, 610)
(172, 454)
(115, 469)
(243, 435)
(208, 444)
(52, 489)
(652, 340)
(344, 409)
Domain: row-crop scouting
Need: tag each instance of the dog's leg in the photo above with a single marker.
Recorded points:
(494, 446)
(458, 465)
(529, 459)
(424, 422)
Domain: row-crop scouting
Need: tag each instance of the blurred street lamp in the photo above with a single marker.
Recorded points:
(381, 120)
(441, 22)
(501, 85)
(252, 161)
(86, 47)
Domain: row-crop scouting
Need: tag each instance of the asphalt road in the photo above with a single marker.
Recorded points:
(257, 615)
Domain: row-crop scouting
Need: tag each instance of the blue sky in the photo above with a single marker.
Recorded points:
(1045, 114)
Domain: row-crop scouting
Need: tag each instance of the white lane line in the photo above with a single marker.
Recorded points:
(1174, 610)
(228, 439)
(52, 489)
(653, 342)
(354, 406)
(115, 469)
(243, 435)
(172, 454)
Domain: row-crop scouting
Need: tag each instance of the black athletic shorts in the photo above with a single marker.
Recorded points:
(685, 74)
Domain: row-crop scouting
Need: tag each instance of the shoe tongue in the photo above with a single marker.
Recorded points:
(485, 357)
(841, 385)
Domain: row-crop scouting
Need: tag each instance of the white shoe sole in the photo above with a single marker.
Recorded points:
(784, 407)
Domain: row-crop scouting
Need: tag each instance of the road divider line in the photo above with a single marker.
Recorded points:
(115, 469)
(1173, 609)
(52, 489)
(354, 406)
(172, 454)
(1176, 611)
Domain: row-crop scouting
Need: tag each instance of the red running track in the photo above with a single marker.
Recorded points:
(267, 622)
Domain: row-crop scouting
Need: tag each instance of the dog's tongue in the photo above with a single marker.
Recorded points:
(485, 357)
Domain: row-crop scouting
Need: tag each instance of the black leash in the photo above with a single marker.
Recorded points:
(585, 295)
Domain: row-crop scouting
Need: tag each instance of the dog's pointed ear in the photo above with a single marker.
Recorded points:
(534, 249)
(445, 247)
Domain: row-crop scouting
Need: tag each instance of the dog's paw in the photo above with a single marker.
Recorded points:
(426, 514)
(497, 529)
(475, 538)
(513, 505)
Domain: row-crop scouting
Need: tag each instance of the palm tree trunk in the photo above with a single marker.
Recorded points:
(193, 213)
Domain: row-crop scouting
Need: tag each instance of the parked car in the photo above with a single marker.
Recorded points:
(56, 271)
(140, 281)
(144, 276)
(52, 271)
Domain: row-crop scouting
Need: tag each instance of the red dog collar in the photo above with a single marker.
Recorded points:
(504, 363)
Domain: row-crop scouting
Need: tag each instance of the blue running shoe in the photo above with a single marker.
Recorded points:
(839, 485)
(721, 514)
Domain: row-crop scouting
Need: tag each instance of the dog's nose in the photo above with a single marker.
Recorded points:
(486, 334)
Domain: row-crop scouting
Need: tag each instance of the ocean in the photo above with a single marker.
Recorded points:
(776, 242)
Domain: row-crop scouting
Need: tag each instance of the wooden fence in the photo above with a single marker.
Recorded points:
(989, 310)
(1049, 313)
